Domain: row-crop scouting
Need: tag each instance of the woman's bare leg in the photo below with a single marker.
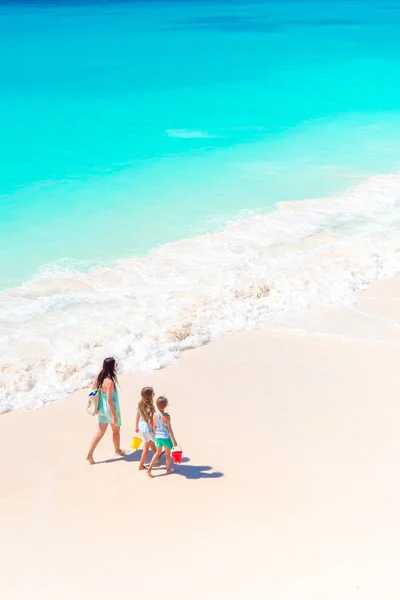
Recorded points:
(98, 435)
(145, 452)
(153, 461)
(117, 439)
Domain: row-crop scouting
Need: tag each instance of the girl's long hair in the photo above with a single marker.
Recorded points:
(107, 372)
(146, 405)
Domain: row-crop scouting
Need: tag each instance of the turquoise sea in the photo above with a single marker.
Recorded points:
(145, 146)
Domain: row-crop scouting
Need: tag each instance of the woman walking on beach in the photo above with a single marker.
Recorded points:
(109, 412)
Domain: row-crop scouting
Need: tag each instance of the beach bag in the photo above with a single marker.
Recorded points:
(93, 403)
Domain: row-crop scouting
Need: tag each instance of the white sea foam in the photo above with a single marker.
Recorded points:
(188, 133)
(55, 329)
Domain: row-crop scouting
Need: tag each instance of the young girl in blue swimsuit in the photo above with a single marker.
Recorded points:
(144, 423)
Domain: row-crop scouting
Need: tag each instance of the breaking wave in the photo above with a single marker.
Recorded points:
(56, 328)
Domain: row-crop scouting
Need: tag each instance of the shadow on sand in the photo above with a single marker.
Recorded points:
(131, 457)
(185, 470)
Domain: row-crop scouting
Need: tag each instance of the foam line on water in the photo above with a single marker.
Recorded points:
(56, 328)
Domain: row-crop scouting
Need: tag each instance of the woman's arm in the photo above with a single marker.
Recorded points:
(137, 421)
(171, 433)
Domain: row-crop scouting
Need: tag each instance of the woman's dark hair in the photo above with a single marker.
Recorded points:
(108, 371)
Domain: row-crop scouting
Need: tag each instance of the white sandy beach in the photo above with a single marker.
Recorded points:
(289, 490)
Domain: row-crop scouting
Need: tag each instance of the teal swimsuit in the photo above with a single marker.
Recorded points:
(104, 414)
(162, 434)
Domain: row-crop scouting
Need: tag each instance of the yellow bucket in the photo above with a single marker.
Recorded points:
(136, 443)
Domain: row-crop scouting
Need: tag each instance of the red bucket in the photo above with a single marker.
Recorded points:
(177, 455)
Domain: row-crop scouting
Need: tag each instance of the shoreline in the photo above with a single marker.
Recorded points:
(180, 296)
(289, 486)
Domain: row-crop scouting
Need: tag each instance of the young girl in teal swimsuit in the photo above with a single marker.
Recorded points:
(164, 436)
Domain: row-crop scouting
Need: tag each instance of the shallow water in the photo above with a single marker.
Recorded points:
(129, 126)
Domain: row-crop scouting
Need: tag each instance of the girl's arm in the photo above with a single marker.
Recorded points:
(171, 433)
(110, 392)
(137, 421)
(154, 421)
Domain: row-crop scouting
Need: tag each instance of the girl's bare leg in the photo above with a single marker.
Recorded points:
(168, 460)
(154, 449)
(99, 434)
(145, 452)
(153, 461)
(117, 439)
